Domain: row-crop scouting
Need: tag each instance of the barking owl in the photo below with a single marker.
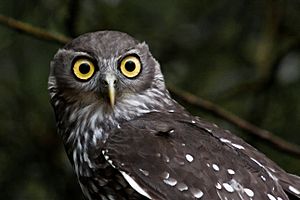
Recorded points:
(128, 139)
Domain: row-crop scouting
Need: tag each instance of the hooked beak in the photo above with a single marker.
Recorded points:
(110, 81)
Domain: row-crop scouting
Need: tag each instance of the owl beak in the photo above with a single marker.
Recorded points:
(112, 94)
(110, 81)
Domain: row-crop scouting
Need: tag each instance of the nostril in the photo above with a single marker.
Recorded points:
(104, 82)
(109, 80)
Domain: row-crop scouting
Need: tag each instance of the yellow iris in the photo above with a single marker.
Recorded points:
(83, 69)
(130, 66)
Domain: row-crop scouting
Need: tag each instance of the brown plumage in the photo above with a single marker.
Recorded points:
(128, 139)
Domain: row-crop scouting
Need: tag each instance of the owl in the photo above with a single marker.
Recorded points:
(126, 138)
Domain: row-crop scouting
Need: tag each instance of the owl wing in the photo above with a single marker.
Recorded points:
(175, 156)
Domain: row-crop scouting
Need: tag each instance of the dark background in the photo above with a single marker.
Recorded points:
(242, 55)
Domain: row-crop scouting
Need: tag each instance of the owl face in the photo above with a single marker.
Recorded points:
(102, 68)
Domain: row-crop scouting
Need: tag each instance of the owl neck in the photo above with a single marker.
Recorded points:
(85, 129)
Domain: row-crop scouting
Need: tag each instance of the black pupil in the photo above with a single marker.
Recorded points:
(84, 68)
(130, 66)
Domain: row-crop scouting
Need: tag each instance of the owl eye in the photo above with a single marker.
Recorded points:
(83, 69)
(130, 66)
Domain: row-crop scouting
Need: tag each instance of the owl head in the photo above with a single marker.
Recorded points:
(109, 73)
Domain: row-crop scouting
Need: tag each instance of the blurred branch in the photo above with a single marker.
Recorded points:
(183, 95)
(72, 17)
(270, 51)
(30, 30)
(237, 121)
(265, 53)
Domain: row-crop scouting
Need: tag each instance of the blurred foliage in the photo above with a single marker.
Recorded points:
(244, 55)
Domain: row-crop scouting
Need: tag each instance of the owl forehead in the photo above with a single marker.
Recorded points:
(104, 44)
